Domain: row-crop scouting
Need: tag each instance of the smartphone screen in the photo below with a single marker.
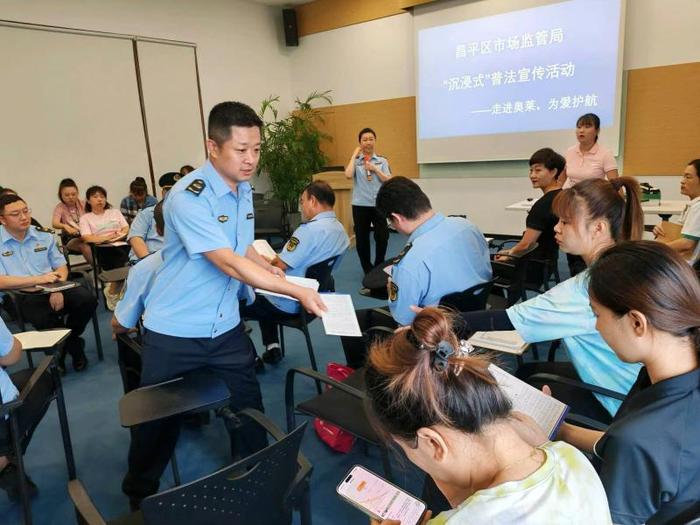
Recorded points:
(379, 498)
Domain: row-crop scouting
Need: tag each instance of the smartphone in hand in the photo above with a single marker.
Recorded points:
(378, 498)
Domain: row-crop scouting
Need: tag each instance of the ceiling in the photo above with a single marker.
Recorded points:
(281, 3)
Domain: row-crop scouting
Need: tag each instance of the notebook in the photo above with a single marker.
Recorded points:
(549, 413)
(508, 341)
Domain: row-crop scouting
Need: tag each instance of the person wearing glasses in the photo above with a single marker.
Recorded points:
(29, 256)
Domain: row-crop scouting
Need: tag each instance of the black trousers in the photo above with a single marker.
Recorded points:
(30, 414)
(268, 316)
(78, 307)
(364, 217)
(356, 348)
(231, 357)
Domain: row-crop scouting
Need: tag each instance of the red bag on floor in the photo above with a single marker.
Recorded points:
(333, 436)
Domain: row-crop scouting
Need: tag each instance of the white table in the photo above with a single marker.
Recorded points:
(663, 208)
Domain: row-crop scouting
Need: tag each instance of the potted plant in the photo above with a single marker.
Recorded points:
(291, 149)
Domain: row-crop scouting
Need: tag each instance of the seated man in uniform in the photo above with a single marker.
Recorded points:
(443, 255)
(139, 282)
(315, 241)
(28, 257)
(143, 235)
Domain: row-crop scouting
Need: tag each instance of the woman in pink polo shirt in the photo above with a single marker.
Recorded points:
(588, 159)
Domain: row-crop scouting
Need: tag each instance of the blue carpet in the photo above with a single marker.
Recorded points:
(101, 445)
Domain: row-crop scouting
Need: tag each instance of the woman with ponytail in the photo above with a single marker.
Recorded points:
(646, 300)
(445, 410)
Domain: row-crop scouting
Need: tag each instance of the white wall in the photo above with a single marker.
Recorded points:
(240, 45)
(375, 61)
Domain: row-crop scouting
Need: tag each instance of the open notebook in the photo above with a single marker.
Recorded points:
(43, 339)
(549, 413)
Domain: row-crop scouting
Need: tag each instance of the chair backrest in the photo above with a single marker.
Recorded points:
(511, 273)
(677, 514)
(254, 489)
(322, 272)
(469, 300)
(129, 358)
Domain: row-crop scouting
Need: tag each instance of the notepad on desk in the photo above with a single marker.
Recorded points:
(57, 286)
(42, 339)
(549, 413)
(300, 281)
(508, 341)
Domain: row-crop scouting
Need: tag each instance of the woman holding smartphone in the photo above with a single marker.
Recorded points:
(646, 300)
(445, 410)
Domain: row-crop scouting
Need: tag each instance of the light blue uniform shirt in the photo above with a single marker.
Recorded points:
(564, 312)
(138, 283)
(190, 296)
(443, 256)
(7, 387)
(315, 241)
(144, 226)
(35, 255)
(364, 192)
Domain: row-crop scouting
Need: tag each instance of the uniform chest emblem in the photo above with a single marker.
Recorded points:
(7, 253)
(292, 244)
(222, 218)
(393, 291)
(249, 216)
(40, 249)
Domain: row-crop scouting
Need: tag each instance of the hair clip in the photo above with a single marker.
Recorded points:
(465, 348)
(441, 355)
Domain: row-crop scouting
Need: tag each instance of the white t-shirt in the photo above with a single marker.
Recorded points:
(565, 489)
(690, 220)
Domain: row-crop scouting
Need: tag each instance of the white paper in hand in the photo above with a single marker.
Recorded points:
(264, 249)
(300, 281)
(547, 411)
(340, 318)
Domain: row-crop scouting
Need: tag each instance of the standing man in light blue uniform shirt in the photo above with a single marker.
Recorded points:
(191, 319)
(315, 241)
(443, 255)
(143, 234)
(368, 171)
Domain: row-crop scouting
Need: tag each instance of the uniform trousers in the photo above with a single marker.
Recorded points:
(78, 307)
(268, 316)
(356, 348)
(364, 217)
(231, 357)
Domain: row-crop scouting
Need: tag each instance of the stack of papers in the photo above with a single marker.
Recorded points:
(509, 342)
(43, 339)
(549, 413)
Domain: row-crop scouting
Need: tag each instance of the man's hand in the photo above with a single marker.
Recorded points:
(56, 301)
(502, 255)
(47, 278)
(311, 301)
(277, 271)
(658, 231)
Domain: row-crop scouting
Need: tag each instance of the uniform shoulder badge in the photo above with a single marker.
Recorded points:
(44, 230)
(393, 291)
(292, 244)
(403, 253)
(196, 186)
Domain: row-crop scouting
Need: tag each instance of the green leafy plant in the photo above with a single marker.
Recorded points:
(291, 146)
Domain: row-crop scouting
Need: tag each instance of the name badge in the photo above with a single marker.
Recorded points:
(8, 253)
(222, 218)
(249, 216)
(40, 249)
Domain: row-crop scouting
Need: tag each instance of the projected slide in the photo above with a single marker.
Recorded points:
(536, 69)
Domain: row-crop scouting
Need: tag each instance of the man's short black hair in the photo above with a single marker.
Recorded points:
(8, 199)
(227, 114)
(402, 196)
(550, 159)
(363, 131)
(322, 192)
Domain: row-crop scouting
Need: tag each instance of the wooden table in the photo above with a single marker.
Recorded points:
(663, 208)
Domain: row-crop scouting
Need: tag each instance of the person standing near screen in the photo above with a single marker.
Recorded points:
(586, 160)
(368, 170)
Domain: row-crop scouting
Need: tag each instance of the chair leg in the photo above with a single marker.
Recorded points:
(282, 348)
(312, 357)
(305, 505)
(63, 422)
(176, 470)
(553, 350)
(23, 489)
(535, 351)
(98, 337)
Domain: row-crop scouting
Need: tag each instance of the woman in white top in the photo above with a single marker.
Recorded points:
(445, 410)
(687, 244)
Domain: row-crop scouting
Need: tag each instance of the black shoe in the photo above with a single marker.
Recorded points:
(77, 353)
(259, 365)
(272, 356)
(9, 482)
